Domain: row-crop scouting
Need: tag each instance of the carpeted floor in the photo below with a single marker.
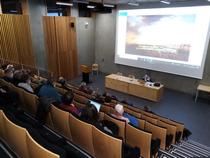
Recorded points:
(174, 105)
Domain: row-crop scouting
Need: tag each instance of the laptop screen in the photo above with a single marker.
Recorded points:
(97, 105)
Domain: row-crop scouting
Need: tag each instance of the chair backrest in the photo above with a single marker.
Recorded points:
(101, 116)
(30, 102)
(171, 129)
(82, 134)
(60, 120)
(105, 109)
(134, 113)
(106, 146)
(5, 83)
(1, 73)
(121, 124)
(15, 137)
(179, 126)
(149, 119)
(157, 132)
(61, 90)
(138, 138)
(36, 150)
(19, 91)
(2, 129)
(141, 124)
(79, 105)
(80, 99)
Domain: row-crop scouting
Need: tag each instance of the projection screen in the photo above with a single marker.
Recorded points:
(172, 40)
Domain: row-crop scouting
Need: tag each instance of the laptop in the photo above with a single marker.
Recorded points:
(97, 105)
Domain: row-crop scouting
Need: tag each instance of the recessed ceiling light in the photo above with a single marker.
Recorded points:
(133, 3)
(109, 5)
(165, 2)
(63, 3)
(91, 6)
(81, 1)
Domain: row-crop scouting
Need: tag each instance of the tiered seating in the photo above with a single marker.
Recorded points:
(20, 141)
(151, 126)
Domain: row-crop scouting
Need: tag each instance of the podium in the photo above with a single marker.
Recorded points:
(85, 73)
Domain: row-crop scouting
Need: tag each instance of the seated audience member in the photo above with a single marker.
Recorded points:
(108, 101)
(62, 81)
(8, 76)
(84, 88)
(147, 109)
(26, 83)
(67, 104)
(90, 115)
(49, 91)
(17, 76)
(119, 113)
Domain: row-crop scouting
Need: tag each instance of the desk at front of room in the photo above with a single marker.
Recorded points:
(133, 87)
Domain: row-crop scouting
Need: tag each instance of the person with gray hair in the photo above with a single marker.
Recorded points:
(119, 113)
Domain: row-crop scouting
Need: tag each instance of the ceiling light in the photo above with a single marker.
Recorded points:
(91, 6)
(165, 2)
(109, 5)
(208, 0)
(133, 4)
(63, 3)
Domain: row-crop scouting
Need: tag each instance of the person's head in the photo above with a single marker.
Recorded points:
(50, 81)
(90, 113)
(10, 67)
(25, 78)
(8, 73)
(108, 99)
(119, 109)
(146, 108)
(67, 98)
(61, 80)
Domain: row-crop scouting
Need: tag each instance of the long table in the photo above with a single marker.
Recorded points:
(133, 87)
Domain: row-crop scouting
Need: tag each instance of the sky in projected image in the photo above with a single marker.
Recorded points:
(159, 36)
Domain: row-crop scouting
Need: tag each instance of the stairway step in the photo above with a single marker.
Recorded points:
(194, 147)
(195, 151)
(166, 154)
(186, 151)
(199, 145)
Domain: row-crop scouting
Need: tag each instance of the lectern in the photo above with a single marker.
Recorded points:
(85, 73)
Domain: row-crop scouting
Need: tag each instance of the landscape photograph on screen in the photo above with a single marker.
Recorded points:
(160, 36)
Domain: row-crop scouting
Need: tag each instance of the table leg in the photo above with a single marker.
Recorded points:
(196, 96)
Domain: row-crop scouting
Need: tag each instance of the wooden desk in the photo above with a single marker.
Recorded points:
(203, 88)
(133, 87)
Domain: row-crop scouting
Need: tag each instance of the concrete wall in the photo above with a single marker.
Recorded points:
(37, 9)
(85, 41)
(105, 50)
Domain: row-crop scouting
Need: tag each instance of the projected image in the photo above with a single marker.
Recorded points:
(160, 36)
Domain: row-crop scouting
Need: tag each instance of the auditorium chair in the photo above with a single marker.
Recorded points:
(106, 146)
(171, 129)
(36, 150)
(139, 138)
(131, 112)
(82, 135)
(105, 109)
(15, 137)
(19, 91)
(157, 133)
(120, 123)
(81, 99)
(30, 102)
(79, 105)
(60, 120)
(149, 119)
(141, 123)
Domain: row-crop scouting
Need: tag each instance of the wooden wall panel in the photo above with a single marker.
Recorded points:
(50, 44)
(64, 42)
(15, 40)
